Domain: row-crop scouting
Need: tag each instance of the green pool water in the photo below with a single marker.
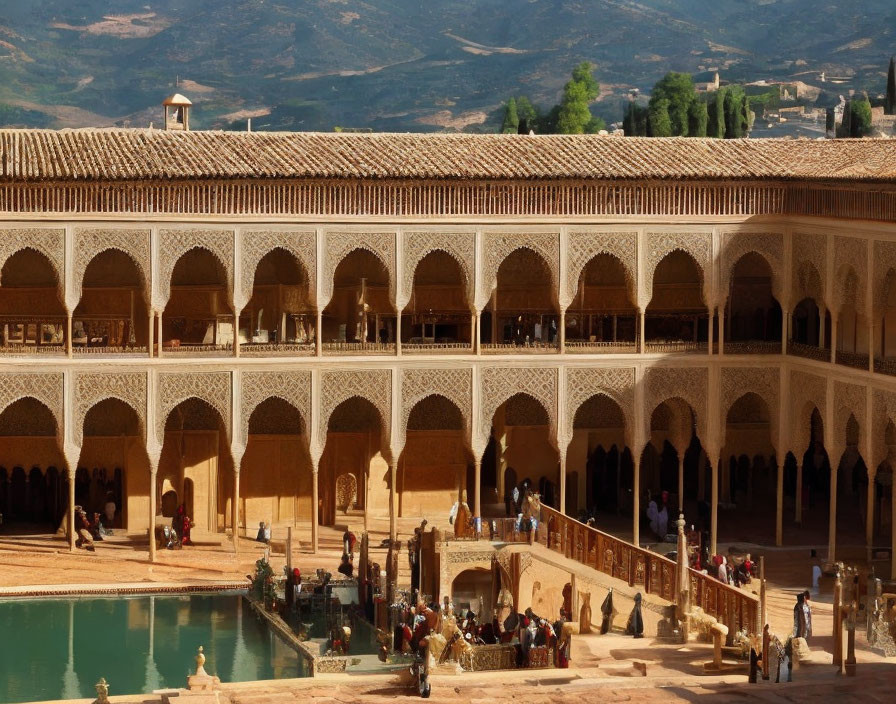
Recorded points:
(59, 648)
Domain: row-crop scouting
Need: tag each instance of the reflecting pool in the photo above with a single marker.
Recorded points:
(59, 648)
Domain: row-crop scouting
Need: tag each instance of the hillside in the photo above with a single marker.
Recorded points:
(401, 64)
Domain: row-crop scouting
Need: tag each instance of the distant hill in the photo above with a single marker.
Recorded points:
(406, 65)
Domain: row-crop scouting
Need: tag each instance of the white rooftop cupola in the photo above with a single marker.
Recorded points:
(177, 112)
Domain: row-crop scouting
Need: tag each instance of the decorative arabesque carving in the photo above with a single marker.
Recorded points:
(616, 383)
(498, 384)
(851, 262)
(687, 383)
(175, 387)
(583, 245)
(256, 244)
(765, 382)
(884, 410)
(884, 262)
(658, 245)
(50, 243)
(417, 384)
(44, 387)
(173, 244)
(294, 387)
(91, 242)
(809, 249)
(93, 387)
(806, 391)
(461, 246)
(497, 246)
(375, 385)
(338, 245)
(849, 400)
(737, 244)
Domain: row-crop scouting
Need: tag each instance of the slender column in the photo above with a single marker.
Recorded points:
(869, 514)
(236, 333)
(314, 510)
(871, 342)
(474, 333)
(779, 503)
(160, 335)
(562, 331)
(636, 499)
(71, 508)
(681, 481)
(397, 335)
(832, 521)
(833, 339)
(393, 533)
(821, 325)
(68, 334)
(152, 325)
(235, 521)
(799, 493)
(563, 482)
(641, 342)
(721, 330)
(477, 505)
(714, 503)
(152, 514)
(710, 330)
(319, 334)
(785, 330)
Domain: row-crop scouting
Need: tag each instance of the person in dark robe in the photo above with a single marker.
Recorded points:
(345, 567)
(607, 610)
(802, 616)
(635, 625)
(185, 522)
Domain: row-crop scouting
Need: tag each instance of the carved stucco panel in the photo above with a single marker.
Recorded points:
(849, 400)
(884, 410)
(850, 271)
(583, 245)
(416, 245)
(47, 388)
(498, 384)
(658, 245)
(338, 245)
(616, 383)
(93, 387)
(91, 242)
(173, 244)
(255, 244)
(687, 383)
(809, 249)
(806, 391)
(765, 382)
(884, 261)
(50, 243)
(175, 387)
(497, 246)
(294, 387)
(375, 385)
(416, 384)
(736, 244)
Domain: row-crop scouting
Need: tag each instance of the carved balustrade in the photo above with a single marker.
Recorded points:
(798, 349)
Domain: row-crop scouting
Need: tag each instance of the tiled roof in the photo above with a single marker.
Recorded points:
(126, 154)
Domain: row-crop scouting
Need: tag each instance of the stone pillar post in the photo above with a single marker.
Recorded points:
(710, 331)
(236, 332)
(477, 333)
(393, 475)
(397, 334)
(779, 503)
(636, 498)
(562, 481)
(236, 508)
(785, 330)
(68, 334)
(159, 353)
(822, 312)
(714, 504)
(561, 333)
(869, 512)
(834, 339)
(799, 492)
(319, 333)
(477, 481)
(832, 520)
(71, 508)
(153, 475)
(314, 509)
(474, 332)
(871, 342)
(642, 345)
(721, 329)
(681, 481)
(150, 337)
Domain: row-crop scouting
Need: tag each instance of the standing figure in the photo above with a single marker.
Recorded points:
(607, 612)
(185, 523)
(635, 625)
(585, 613)
(461, 517)
(802, 616)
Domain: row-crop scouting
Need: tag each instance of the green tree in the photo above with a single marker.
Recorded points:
(574, 116)
(528, 112)
(698, 118)
(634, 124)
(845, 130)
(734, 112)
(659, 124)
(511, 119)
(860, 119)
(678, 89)
(891, 87)
(716, 109)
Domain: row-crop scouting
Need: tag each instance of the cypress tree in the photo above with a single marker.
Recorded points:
(891, 87)
(716, 112)
(860, 119)
(658, 122)
(511, 119)
(698, 117)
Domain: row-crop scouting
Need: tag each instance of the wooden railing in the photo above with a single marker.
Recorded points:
(639, 567)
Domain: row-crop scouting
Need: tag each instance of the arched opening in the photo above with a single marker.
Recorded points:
(438, 313)
(354, 473)
(198, 317)
(852, 497)
(32, 316)
(676, 318)
(851, 343)
(474, 590)
(522, 443)
(33, 493)
(812, 491)
(596, 455)
(275, 471)
(435, 468)
(753, 315)
(885, 340)
(602, 317)
(523, 309)
(113, 467)
(112, 314)
(280, 316)
(359, 315)
(195, 463)
(809, 329)
(806, 326)
(748, 478)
